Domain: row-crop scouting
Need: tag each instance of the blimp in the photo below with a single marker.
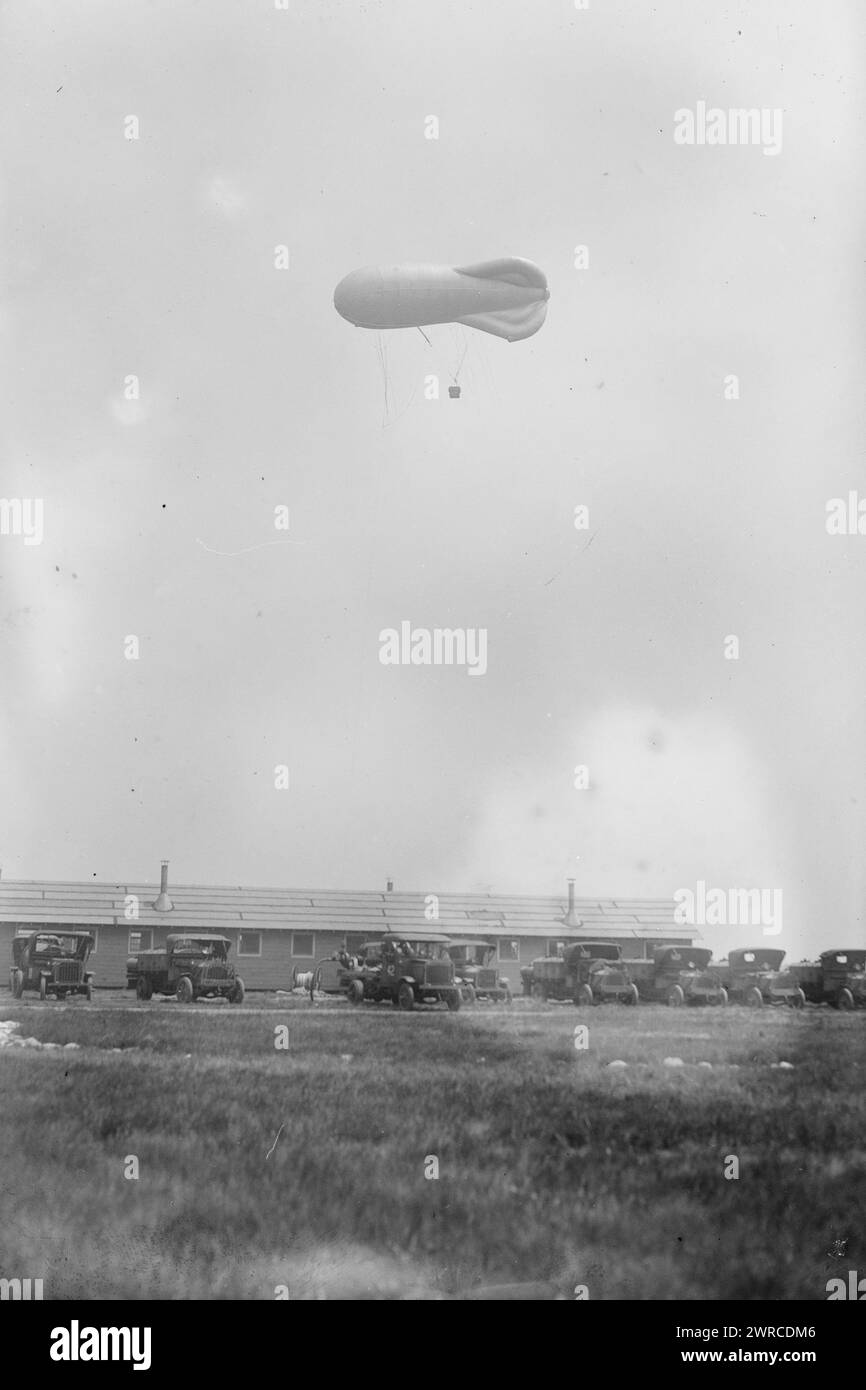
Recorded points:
(506, 297)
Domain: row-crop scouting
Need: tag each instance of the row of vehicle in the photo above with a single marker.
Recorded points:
(411, 968)
(595, 972)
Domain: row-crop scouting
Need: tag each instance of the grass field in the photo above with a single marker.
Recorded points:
(305, 1168)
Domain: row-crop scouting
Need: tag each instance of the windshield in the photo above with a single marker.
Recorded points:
(424, 950)
(57, 945)
(207, 949)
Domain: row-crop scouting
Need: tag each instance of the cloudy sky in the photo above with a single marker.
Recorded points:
(154, 258)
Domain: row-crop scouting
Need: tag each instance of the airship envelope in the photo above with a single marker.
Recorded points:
(507, 297)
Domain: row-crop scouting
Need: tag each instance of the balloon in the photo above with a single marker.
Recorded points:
(507, 297)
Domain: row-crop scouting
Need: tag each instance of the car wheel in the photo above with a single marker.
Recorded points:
(469, 995)
(676, 997)
(538, 992)
(185, 992)
(632, 997)
(798, 1000)
(355, 992)
(43, 987)
(16, 983)
(236, 996)
(509, 997)
(583, 998)
(405, 996)
(723, 997)
(845, 1000)
(143, 988)
(453, 999)
(754, 998)
(88, 990)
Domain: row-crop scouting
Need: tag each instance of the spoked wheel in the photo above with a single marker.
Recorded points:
(236, 996)
(16, 983)
(405, 997)
(754, 999)
(845, 1000)
(469, 995)
(143, 988)
(88, 990)
(583, 998)
(43, 987)
(676, 997)
(454, 1001)
(185, 991)
(798, 1000)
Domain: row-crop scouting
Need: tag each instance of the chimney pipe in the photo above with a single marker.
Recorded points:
(163, 902)
(390, 885)
(571, 897)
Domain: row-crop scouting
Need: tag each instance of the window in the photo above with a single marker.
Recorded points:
(249, 943)
(556, 948)
(95, 934)
(140, 941)
(508, 950)
(355, 940)
(303, 943)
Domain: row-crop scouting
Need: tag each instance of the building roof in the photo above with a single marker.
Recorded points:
(208, 908)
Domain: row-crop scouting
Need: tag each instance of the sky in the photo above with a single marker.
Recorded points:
(258, 648)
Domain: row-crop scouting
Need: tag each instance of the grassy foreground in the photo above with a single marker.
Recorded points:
(305, 1168)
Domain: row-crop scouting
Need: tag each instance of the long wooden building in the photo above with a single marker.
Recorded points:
(273, 930)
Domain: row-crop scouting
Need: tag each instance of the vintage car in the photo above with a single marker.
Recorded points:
(837, 978)
(191, 965)
(409, 968)
(589, 972)
(677, 975)
(753, 975)
(475, 968)
(52, 962)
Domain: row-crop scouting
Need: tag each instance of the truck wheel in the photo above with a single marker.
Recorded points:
(143, 988)
(509, 998)
(754, 999)
(43, 987)
(632, 997)
(16, 983)
(469, 994)
(845, 1000)
(453, 999)
(237, 992)
(723, 997)
(355, 992)
(538, 992)
(583, 998)
(185, 992)
(798, 1000)
(88, 990)
(676, 997)
(405, 996)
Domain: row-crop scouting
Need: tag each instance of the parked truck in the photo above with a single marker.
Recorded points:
(409, 968)
(754, 976)
(476, 972)
(51, 963)
(837, 978)
(589, 972)
(191, 965)
(677, 975)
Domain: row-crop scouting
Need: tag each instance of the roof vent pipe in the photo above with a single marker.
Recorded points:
(163, 902)
(390, 885)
